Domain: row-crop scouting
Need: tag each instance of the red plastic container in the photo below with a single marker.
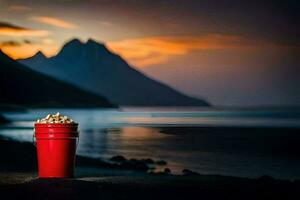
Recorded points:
(56, 149)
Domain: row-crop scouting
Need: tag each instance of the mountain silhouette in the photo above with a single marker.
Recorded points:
(92, 67)
(20, 85)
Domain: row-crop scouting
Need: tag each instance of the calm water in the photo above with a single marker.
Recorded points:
(181, 137)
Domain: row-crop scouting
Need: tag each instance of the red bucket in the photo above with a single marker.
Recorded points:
(56, 149)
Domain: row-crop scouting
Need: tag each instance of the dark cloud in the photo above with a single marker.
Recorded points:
(275, 21)
(10, 43)
(27, 42)
(14, 43)
(271, 20)
(11, 26)
(9, 29)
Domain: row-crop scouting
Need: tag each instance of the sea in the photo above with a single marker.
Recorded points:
(219, 141)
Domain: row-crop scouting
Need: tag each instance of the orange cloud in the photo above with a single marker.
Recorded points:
(20, 33)
(154, 50)
(25, 50)
(55, 22)
(8, 29)
(47, 41)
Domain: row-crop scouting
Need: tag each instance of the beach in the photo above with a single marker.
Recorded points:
(160, 155)
(99, 179)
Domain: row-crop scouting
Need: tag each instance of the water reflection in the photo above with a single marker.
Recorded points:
(179, 138)
(132, 142)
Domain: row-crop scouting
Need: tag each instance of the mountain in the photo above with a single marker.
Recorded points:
(91, 66)
(20, 85)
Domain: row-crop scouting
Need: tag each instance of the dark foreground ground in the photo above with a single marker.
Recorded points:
(151, 187)
(96, 179)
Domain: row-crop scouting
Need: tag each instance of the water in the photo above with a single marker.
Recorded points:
(262, 142)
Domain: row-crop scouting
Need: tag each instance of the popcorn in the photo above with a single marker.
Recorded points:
(55, 119)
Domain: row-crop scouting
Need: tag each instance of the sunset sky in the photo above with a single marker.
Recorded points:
(228, 52)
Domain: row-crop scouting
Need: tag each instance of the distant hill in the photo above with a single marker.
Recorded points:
(22, 86)
(91, 66)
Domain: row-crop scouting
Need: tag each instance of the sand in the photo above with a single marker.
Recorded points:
(97, 180)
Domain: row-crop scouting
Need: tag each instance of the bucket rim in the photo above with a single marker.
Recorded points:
(60, 125)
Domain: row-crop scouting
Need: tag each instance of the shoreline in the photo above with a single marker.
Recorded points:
(97, 178)
(256, 147)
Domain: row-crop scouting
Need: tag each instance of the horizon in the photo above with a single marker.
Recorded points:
(217, 51)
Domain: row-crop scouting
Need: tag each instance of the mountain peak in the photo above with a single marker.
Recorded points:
(95, 43)
(39, 55)
(77, 42)
(76, 48)
(74, 41)
(71, 48)
(91, 41)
